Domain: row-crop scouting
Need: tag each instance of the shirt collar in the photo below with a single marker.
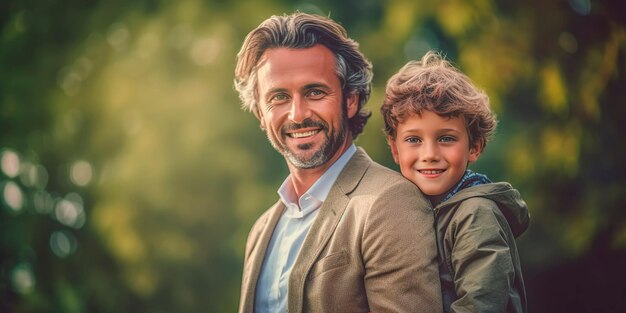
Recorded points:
(313, 198)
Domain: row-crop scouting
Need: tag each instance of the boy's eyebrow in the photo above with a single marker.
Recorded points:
(410, 130)
(450, 129)
(413, 131)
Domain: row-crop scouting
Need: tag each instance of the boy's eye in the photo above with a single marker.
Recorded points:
(412, 140)
(447, 139)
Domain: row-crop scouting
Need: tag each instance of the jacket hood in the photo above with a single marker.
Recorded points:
(507, 198)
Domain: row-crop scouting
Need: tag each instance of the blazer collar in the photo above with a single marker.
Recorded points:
(324, 225)
(251, 275)
(353, 172)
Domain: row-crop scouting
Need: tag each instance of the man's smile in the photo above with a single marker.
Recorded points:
(303, 134)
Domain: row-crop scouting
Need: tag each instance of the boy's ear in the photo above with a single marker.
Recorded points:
(352, 104)
(475, 150)
(394, 149)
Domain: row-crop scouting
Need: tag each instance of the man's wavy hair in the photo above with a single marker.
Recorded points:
(301, 30)
(433, 84)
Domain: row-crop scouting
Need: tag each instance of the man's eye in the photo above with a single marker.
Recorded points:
(279, 97)
(316, 94)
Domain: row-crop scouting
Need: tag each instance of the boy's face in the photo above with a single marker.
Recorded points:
(433, 151)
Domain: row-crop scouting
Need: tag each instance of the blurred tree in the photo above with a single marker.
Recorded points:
(130, 177)
(44, 237)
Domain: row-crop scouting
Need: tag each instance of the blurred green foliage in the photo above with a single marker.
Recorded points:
(130, 177)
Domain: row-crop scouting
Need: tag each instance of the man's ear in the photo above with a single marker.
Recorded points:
(352, 104)
(476, 149)
(394, 149)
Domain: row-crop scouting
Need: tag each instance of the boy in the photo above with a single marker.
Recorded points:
(437, 122)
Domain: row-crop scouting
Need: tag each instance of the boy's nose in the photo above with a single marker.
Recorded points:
(430, 152)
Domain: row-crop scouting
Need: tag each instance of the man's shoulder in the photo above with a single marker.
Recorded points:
(389, 187)
(362, 173)
(383, 170)
(384, 177)
(374, 168)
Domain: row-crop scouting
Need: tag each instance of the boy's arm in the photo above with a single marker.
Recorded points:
(481, 258)
(400, 253)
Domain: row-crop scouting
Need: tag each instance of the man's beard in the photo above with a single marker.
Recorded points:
(332, 142)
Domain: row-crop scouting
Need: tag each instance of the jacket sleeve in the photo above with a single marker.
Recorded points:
(480, 256)
(399, 253)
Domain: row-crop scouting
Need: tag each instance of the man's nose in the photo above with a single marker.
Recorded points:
(299, 110)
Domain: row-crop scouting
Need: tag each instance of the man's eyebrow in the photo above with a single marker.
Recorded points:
(315, 85)
(275, 90)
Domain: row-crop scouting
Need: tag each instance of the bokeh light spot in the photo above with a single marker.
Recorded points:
(10, 163)
(34, 175)
(63, 243)
(81, 173)
(70, 82)
(69, 211)
(23, 279)
(13, 196)
(118, 36)
(43, 202)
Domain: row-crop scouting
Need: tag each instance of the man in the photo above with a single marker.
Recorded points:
(347, 234)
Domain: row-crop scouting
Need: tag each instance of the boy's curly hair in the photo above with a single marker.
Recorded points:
(433, 84)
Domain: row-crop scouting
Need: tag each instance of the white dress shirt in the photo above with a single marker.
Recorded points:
(289, 234)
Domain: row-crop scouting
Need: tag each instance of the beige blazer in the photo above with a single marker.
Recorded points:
(371, 248)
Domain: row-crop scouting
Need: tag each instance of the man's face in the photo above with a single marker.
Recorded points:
(300, 105)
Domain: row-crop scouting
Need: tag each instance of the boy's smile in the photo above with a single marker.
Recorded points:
(431, 173)
(432, 151)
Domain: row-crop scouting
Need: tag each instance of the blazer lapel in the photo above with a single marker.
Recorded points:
(324, 225)
(251, 276)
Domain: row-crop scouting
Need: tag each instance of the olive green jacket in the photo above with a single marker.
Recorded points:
(479, 264)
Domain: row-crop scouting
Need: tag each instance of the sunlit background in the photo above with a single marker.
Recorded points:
(130, 176)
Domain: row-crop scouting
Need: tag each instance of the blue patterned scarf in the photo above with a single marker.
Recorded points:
(469, 179)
